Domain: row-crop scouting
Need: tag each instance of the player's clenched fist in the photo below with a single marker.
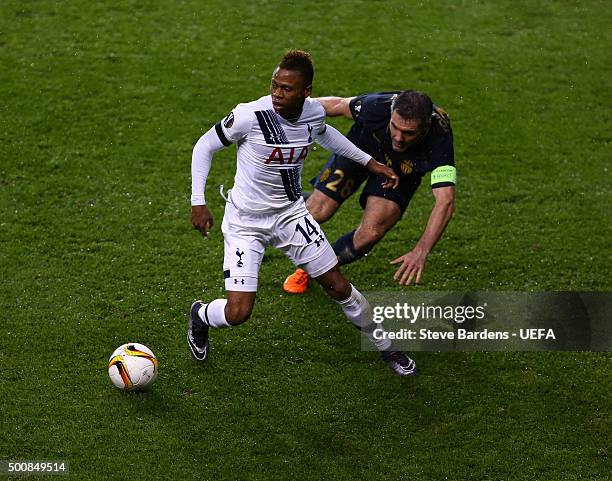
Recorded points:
(201, 218)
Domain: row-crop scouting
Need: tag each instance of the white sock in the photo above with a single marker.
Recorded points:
(358, 310)
(213, 313)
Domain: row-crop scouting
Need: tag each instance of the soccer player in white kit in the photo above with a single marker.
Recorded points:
(265, 207)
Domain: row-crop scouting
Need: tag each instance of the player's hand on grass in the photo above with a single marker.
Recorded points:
(201, 218)
(381, 170)
(411, 267)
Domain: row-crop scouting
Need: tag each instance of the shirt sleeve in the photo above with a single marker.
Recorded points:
(373, 108)
(201, 160)
(235, 126)
(442, 153)
(356, 106)
(332, 140)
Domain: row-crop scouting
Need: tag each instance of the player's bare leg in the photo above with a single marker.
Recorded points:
(239, 307)
(220, 313)
(321, 207)
(379, 216)
(357, 309)
(335, 284)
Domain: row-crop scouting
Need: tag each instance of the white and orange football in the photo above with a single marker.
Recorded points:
(132, 367)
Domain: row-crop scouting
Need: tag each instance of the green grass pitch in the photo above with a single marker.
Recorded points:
(100, 105)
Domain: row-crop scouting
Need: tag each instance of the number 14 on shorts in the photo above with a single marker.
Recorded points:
(309, 231)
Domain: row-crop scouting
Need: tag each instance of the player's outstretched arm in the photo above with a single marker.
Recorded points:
(336, 106)
(412, 263)
(332, 140)
(381, 170)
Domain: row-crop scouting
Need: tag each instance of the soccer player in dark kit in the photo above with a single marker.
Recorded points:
(405, 131)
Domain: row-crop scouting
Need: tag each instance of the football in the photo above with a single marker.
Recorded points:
(132, 367)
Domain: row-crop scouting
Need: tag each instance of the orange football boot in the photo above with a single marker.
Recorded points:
(296, 283)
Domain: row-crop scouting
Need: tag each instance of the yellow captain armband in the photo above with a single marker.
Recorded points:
(443, 176)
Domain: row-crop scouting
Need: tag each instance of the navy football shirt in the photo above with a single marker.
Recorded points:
(370, 132)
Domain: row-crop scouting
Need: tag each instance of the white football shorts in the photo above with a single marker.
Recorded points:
(292, 230)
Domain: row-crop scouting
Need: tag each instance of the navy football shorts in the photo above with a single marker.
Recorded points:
(341, 177)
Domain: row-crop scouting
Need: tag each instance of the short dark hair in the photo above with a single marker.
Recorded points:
(300, 61)
(413, 105)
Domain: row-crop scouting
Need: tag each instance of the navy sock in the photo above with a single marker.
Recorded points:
(345, 249)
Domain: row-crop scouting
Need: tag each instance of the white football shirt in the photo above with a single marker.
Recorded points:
(270, 152)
